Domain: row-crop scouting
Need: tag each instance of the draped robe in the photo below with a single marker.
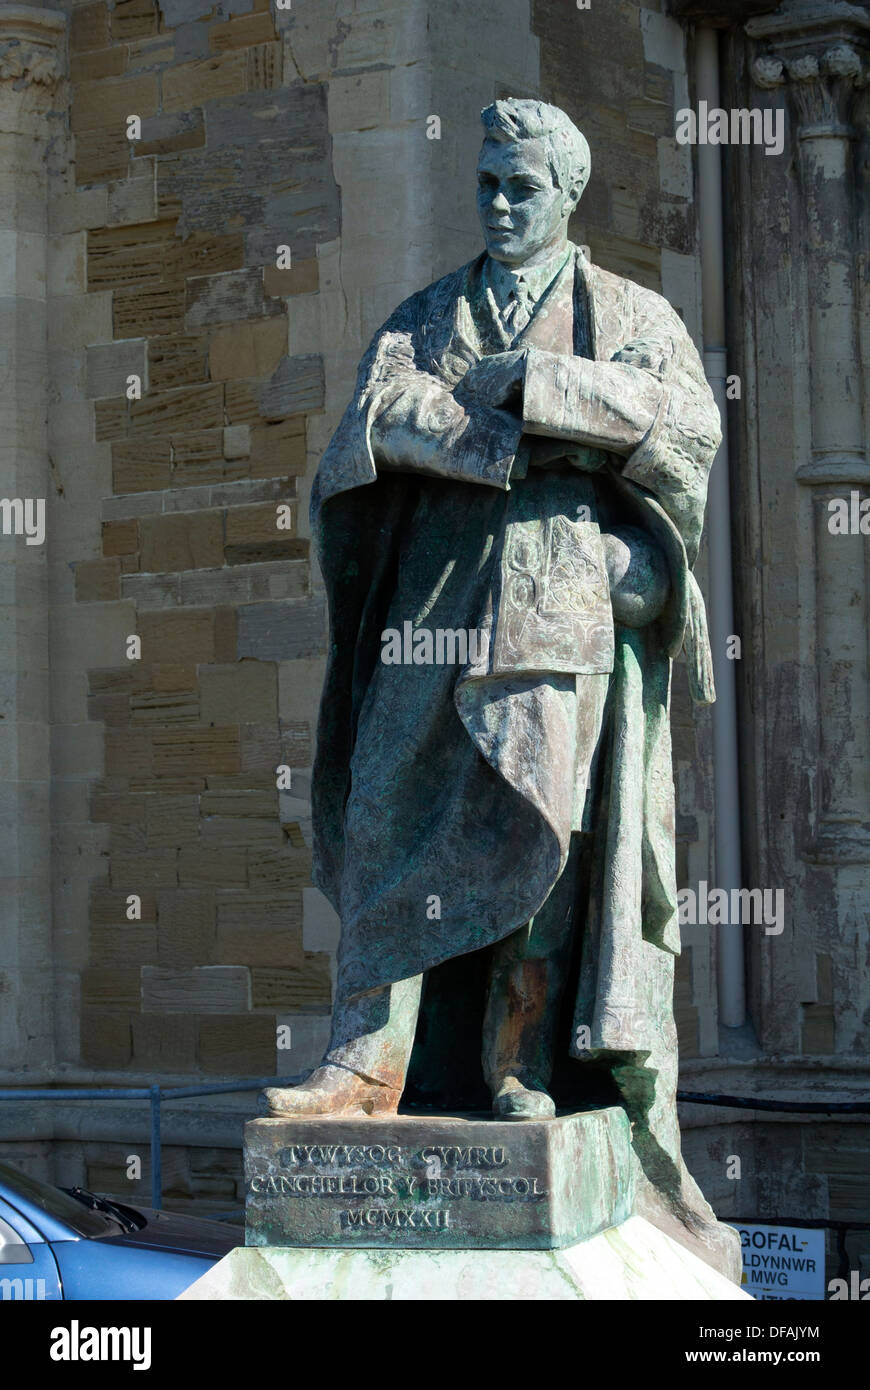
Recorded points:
(464, 784)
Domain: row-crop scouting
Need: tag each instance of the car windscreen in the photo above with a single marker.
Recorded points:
(80, 1218)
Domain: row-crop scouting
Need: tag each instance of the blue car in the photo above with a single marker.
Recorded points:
(60, 1243)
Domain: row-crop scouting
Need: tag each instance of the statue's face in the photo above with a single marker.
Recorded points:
(523, 214)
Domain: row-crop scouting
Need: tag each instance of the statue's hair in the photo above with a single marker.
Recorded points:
(568, 151)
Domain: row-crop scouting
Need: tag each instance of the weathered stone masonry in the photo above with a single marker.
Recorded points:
(181, 274)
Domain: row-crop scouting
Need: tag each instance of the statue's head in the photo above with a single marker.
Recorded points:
(533, 167)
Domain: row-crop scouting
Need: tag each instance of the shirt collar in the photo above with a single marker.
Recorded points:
(504, 280)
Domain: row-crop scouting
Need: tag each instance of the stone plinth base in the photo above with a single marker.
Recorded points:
(633, 1261)
(437, 1182)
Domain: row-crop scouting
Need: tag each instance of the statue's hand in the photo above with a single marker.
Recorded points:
(544, 452)
(588, 460)
(496, 380)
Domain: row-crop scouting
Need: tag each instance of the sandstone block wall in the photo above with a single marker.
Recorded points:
(172, 272)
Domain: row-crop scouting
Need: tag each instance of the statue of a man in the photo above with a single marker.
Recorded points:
(524, 462)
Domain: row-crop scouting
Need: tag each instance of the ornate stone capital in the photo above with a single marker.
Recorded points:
(820, 51)
(31, 46)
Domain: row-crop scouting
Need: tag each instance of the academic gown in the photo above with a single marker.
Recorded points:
(444, 796)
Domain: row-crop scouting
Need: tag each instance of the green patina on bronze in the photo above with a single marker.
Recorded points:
(437, 1182)
(525, 457)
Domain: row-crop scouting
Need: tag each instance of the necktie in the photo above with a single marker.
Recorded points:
(519, 309)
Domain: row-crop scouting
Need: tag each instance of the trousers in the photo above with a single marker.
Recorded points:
(373, 1034)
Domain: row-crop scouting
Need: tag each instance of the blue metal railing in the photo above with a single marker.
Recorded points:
(155, 1095)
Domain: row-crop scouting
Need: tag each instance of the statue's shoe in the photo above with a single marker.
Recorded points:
(331, 1091)
(514, 1101)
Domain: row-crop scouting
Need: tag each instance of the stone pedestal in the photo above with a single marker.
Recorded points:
(437, 1182)
(631, 1262)
(448, 1208)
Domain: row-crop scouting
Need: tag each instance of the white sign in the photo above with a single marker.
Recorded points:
(783, 1262)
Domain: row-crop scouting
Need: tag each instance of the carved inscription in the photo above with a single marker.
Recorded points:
(394, 1187)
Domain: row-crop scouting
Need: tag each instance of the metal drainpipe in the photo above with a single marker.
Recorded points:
(726, 795)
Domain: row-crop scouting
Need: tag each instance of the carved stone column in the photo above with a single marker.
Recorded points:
(819, 53)
(31, 67)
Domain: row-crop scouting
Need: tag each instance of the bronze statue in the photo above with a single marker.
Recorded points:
(525, 459)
